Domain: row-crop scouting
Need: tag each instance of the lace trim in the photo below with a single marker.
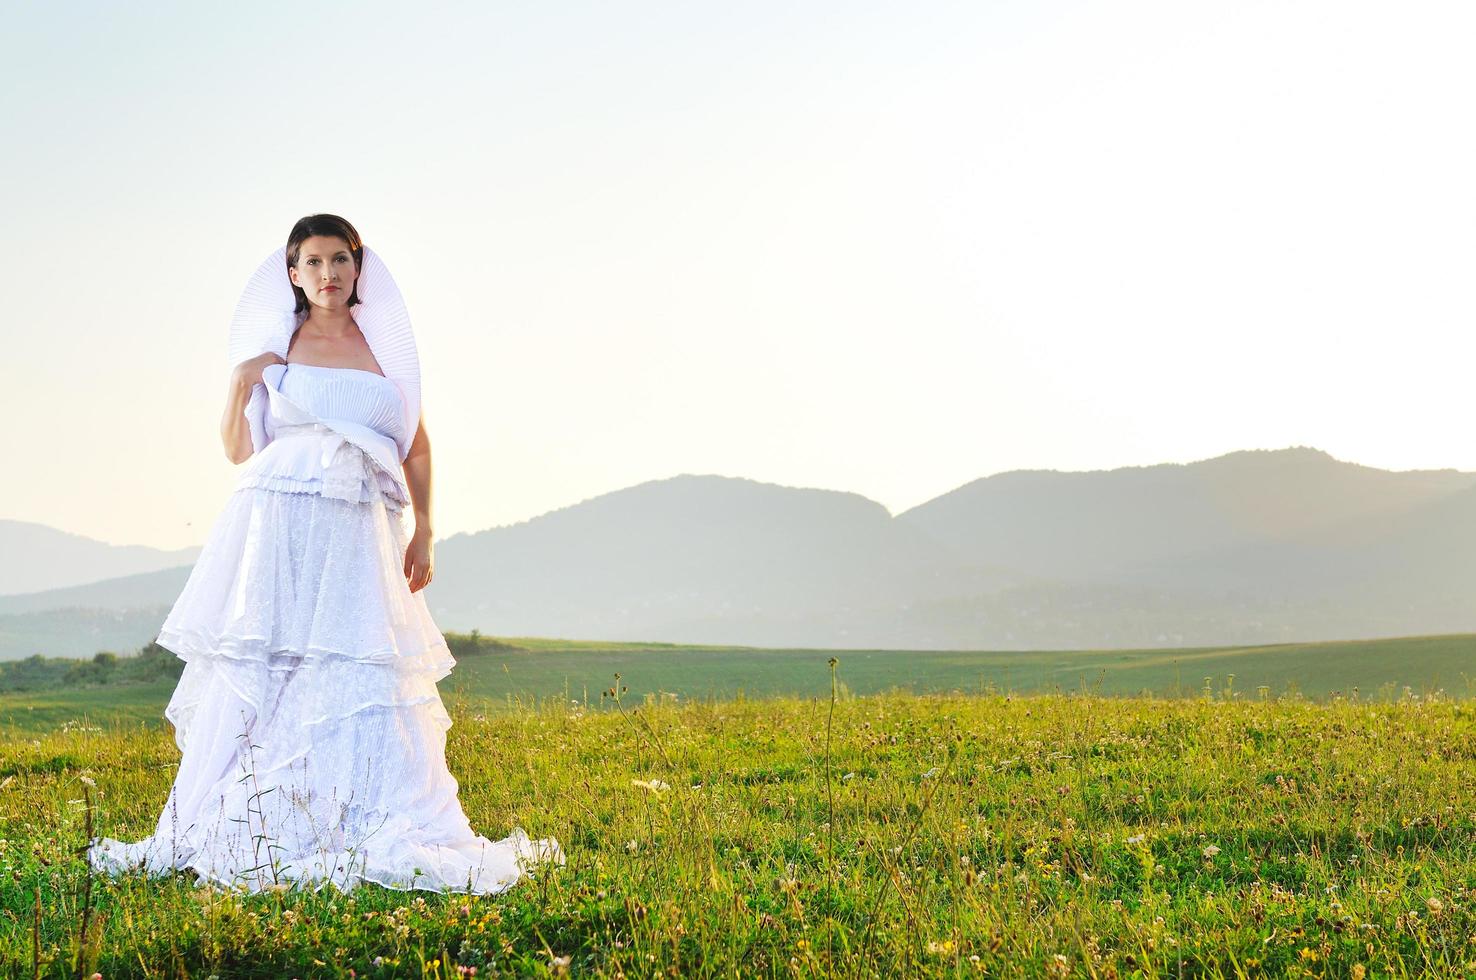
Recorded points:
(361, 492)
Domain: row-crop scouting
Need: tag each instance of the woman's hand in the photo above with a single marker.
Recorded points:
(418, 560)
(235, 431)
(248, 372)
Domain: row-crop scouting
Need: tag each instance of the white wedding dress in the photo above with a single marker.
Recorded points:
(312, 732)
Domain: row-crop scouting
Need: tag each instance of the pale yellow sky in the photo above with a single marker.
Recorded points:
(884, 248)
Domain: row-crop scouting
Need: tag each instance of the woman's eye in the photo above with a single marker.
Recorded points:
(312, 261)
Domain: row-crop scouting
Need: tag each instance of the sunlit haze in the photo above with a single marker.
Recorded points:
(885, 248)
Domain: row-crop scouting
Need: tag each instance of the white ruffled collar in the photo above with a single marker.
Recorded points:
(265, 320)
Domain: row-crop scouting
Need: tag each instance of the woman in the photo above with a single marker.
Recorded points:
(312, 732)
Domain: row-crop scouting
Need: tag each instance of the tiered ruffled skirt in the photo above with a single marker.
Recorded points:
(312, 732)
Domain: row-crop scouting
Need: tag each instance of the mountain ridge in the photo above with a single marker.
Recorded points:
(1251, 546)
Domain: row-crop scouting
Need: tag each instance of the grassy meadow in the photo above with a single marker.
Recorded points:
(782, 816)
(510, 670)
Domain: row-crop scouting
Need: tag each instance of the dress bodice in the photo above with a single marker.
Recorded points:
(350, 394)
(332, 431)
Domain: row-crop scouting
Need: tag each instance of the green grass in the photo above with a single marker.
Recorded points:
(1226, 834)
(1316, 670)
(1333, 823)
(25, 714)
(492, 673)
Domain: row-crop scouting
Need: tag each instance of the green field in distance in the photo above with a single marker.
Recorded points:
(494, 673)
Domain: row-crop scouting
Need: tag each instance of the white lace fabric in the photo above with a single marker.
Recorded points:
(312, 734)
(353, 419)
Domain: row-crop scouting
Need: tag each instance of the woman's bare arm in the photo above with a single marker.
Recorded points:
(418, 475)
(419, 563)
(235, 431)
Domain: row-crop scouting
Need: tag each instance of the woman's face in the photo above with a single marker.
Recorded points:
(325, 271)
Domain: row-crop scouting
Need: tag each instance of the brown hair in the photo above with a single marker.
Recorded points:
(332, 226)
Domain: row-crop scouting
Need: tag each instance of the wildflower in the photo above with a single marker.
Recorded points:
(654, 785)
(88, 781)
(1137, 839)
(1435, 905)
(1211, 851)
(931, 773)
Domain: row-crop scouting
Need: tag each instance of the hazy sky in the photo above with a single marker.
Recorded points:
(878, 247)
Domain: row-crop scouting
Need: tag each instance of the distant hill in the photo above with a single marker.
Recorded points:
(39, 558)
(79, 631)
(1133, 524)
(700, 558)
(1262, 546)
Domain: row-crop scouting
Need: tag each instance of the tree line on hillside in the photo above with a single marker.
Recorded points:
(151, 664)
(37, 673)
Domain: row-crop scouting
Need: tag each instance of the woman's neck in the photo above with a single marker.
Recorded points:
(329, 326)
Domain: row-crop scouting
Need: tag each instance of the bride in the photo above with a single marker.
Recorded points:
(313, 737)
